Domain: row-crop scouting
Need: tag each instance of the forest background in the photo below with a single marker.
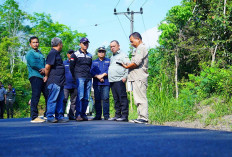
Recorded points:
(191, 67)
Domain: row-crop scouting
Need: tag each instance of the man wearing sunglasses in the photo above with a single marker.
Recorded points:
(101, 85)
(80, 65)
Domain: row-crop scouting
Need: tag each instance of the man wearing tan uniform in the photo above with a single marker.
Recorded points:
(138, 77)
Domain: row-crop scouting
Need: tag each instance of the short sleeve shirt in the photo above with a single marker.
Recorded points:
(57, 72)
(2, 93)
(140, 58)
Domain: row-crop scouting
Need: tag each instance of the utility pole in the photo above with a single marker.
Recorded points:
(131, 18)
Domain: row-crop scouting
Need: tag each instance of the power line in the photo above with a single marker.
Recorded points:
(145, 30)
(131, 3)
(122, 28)
(117, 4)
(144, 3)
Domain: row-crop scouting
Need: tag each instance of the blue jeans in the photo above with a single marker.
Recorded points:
(83, 92)
(101, 93)
(55, 102)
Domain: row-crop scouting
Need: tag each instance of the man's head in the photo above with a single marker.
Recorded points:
(135, 39)
(9, 86)
(69, 53)
(114, 46)
(84, 44)
(57, 43)
(101, 52)
(34, 42)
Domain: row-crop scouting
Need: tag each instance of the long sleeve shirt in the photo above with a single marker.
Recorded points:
(35, 62)
(117, 72)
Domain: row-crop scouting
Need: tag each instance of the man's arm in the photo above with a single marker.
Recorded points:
(47, 71)
(72, 64)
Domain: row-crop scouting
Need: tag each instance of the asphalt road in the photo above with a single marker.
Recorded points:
(19, 137)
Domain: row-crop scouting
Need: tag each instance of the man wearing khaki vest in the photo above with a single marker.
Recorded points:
(138, 77)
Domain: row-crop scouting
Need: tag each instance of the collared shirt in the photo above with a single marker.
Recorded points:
(57, 73)
(116, 72)
(80, 64)
(35, 62)
(10, 95)
(140, 58)
(100, 67)
(69, 81)
(2, 93)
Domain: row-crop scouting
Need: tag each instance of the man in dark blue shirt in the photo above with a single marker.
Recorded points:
(69, 88)
(101, 85)
(55, 78)
(80, 65)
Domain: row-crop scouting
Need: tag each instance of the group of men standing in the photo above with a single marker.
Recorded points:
(57, 80)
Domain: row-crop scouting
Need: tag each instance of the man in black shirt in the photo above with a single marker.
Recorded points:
(55, 78)
(80, 65)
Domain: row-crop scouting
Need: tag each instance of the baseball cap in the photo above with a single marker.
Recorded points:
(101, 49)
(84, 40)
(70, 51)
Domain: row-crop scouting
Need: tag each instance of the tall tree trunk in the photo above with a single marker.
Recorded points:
(176, 73)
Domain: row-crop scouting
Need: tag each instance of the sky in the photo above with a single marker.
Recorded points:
(96, 18)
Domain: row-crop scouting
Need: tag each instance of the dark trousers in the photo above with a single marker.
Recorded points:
(73, 96)
(38, 86)
(120, 99)
(9, 108)
(101, 94)
(2, 103)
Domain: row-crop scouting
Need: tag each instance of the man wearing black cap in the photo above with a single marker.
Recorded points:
(69, 88)
(101, 85)
(80, 65)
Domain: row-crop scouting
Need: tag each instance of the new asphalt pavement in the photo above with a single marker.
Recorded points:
(19, 137)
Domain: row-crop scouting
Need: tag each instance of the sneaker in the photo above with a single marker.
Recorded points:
(132, 120)
(106, 118)
(37, 120)
(141, 121)
(54, 120)
(79, 118)
(85, 118)
(63, 120)
(113, 119)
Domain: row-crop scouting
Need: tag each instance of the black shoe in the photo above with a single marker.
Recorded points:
(106, 118)
(122, 120)
(63, 120)
(113, 119)
(85, 118)
(132, 120)
(70, 117)
(141, 121)
(52, 120)
(97, 118)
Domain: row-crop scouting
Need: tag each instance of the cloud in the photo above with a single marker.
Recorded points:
(150, 37)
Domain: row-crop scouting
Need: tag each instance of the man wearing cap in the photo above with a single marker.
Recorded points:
(138, 74)
(101, 85)
(117, 79)
(80, 65)
(55, 78)
(69, 88)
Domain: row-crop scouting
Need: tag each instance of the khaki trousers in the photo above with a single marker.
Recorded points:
(140, 98)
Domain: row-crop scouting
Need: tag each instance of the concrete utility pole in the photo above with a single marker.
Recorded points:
(131, 18)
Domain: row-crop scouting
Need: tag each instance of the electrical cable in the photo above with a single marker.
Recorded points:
(131, 3)
(122, 27)
(145, 30)
(144, 3)
(117, 4)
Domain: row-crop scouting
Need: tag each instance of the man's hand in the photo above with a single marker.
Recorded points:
(124, 80)
(42, 71)
(45, 78)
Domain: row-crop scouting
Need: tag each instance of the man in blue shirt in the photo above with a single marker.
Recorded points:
(80, 65)
(69, 88)
(55, 78)
(101, 85)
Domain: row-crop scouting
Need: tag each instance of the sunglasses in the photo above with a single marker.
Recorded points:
(85, 43)
(101, 51)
